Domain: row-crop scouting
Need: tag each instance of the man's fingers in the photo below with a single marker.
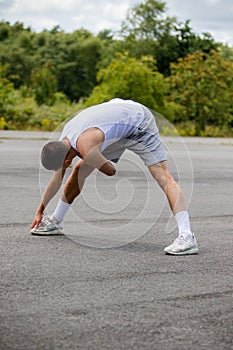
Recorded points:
(35, 223)
(32, 225)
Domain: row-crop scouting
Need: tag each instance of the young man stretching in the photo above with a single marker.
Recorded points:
(99, 135)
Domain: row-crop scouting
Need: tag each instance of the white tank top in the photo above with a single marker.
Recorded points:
(117, 119)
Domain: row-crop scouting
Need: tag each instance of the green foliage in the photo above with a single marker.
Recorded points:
(44, 84)
(128, 78)
(75, 61)
(49, 118)
(184, 42)
(146, 21)
(147, 31)
(6, 88)
(226, 52)
(203, 85)
(73, 55)
(24, 113)
(5, 30)
(43, 75)
(18, 110)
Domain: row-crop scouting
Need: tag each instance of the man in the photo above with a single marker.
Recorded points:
(99, 135)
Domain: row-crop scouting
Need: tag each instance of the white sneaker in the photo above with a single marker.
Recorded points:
(185, 244)
(48, 226)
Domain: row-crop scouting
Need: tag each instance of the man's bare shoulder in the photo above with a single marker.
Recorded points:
(89, 139)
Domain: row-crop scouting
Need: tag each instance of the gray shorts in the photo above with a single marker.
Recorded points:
(145, 142)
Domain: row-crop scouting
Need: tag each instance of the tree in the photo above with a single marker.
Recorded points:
(5, 30)
(143, 30)
(6, 88)
(44, 84)
(226, 52)
(180, 42)
(75, 57)
(128, 78)
(148, 31)
(147, 21)
(203, 85)
(190, 42)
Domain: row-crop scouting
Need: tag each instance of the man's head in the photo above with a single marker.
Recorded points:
(53, 155)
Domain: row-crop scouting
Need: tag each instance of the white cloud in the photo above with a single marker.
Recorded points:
(213, 16)
(69, 14)
(43, 6)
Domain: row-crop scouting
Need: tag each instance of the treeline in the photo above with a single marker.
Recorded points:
(154, 59)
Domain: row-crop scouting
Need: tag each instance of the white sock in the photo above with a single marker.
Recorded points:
(183, 223)
(61, 210)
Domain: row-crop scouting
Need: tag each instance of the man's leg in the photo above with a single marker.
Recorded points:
(186, 243)
(175, 197)
(72, 189)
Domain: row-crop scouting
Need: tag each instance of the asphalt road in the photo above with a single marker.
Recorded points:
(70, 293)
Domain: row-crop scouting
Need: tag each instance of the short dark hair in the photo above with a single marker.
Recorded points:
(53, 155)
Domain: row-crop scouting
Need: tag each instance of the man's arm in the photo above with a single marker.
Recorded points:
(88, 145)
(52, 188)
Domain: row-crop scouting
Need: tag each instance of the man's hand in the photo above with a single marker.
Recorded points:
(52, 188)
(37, 220)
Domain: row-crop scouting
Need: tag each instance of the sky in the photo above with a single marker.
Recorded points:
(212, 16)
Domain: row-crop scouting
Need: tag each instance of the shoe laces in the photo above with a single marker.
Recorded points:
(180, 239)
(46, 220)
(183, 238)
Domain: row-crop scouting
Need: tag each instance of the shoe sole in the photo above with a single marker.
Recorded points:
(191, 251)
(51, 233)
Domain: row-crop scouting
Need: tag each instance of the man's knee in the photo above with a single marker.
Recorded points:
(162, 175)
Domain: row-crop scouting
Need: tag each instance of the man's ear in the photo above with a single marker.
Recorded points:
(66, 161)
